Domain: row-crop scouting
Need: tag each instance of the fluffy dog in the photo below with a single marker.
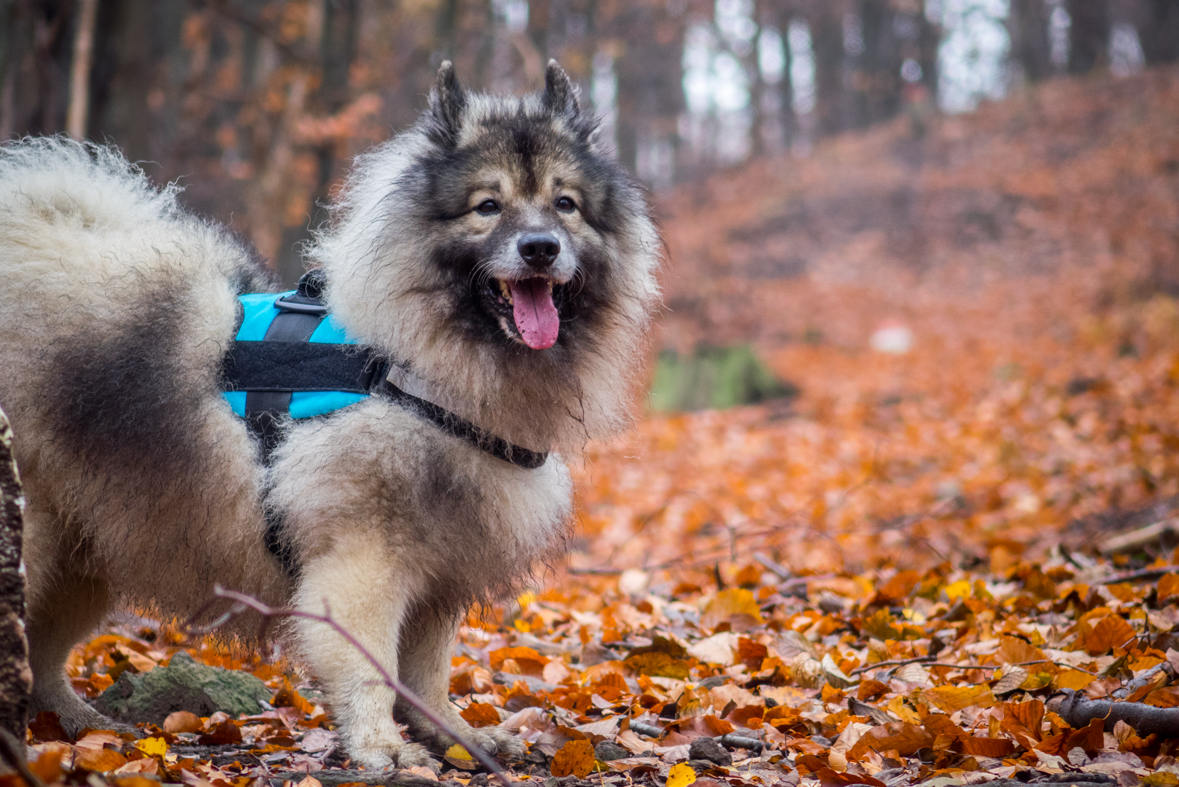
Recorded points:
(492, 252)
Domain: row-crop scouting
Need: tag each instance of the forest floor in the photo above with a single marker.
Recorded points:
(910, 572)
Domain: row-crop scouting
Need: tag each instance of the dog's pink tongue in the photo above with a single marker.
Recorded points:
(535, 315)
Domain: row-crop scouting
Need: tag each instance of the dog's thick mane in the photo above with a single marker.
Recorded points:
(384, 291)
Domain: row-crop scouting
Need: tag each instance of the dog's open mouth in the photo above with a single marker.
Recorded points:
(528, 306)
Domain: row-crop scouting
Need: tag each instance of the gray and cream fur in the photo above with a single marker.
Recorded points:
(144, 489)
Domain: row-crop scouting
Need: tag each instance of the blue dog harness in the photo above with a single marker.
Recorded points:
(291, 358)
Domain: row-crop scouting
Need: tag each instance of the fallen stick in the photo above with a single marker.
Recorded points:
(1147, 574)
(1135, 539)
(775, 568)
(1078, 711)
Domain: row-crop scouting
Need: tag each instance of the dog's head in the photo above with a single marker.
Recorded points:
(500, 254)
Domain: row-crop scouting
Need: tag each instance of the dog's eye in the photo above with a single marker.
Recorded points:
(565, 204)
(487, 207)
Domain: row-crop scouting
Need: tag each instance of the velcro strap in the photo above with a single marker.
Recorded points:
(298, 366)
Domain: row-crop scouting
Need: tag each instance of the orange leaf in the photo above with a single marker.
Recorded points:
(221, 734)
(1109, 633)
(940, 725)
(751, 653)
(906, 738)
(897, 588)
(659, 665)
(182, 721)
(952, 698)
(480, 714)
(136, 781)
(48, 764)
(286, 697)
(46, 727)
(879, 625)
(729, 603)
(1023, 719)
(1072, 679)
(1168, 586)
(575, 758)
(99, 759)
(1167, 697)
(988, 747)
(830, 778)
(531, 662)
(717, 726)
(1013, 650)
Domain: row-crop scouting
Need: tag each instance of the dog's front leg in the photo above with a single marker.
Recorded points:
(368, 593)
(425, 669)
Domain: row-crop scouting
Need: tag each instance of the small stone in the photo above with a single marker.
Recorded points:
(711, 750)
(182, 685)
(609, 750)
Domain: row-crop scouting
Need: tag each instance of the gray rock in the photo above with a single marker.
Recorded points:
(182, 685)
(609, 750)
(711, 750)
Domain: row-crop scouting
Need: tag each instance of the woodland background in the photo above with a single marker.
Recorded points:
(941, 550)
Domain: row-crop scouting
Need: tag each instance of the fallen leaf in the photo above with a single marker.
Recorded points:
(680, 775)
(182, 721)
(576, 758)
(153, 747)
(729, 603)
(480, 714)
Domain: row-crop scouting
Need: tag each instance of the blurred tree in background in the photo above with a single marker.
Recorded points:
(257, 106)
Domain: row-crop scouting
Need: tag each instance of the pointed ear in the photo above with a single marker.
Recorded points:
(448, 102)
(560, 96)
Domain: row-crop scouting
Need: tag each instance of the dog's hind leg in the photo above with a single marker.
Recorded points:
(368, 592)
(59, 618)
(426, 648)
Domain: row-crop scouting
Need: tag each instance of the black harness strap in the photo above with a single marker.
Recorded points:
(265, 405)
(463, 429)
(264, 408)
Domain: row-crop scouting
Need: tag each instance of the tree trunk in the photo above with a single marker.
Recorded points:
(79, 107)
(831, 99)
(1088, 35)
(16, 679)
(1028, 26)
(1158, 30)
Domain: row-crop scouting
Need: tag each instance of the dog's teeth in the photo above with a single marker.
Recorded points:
(503, 288)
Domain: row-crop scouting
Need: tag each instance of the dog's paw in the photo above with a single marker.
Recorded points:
(496, 740)
(394, 755)
(492, 740)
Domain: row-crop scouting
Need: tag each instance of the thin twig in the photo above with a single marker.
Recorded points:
(925, 661)
(242, 602)
(777, 569)
(1138, 576)
(891, 663)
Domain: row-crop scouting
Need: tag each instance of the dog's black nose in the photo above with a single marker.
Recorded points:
(539, 249)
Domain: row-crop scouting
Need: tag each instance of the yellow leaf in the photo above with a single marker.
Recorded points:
(152, 747)
(726, 604)
(1072, 679)
(681, 775)
(957, 590)
(458, 752)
